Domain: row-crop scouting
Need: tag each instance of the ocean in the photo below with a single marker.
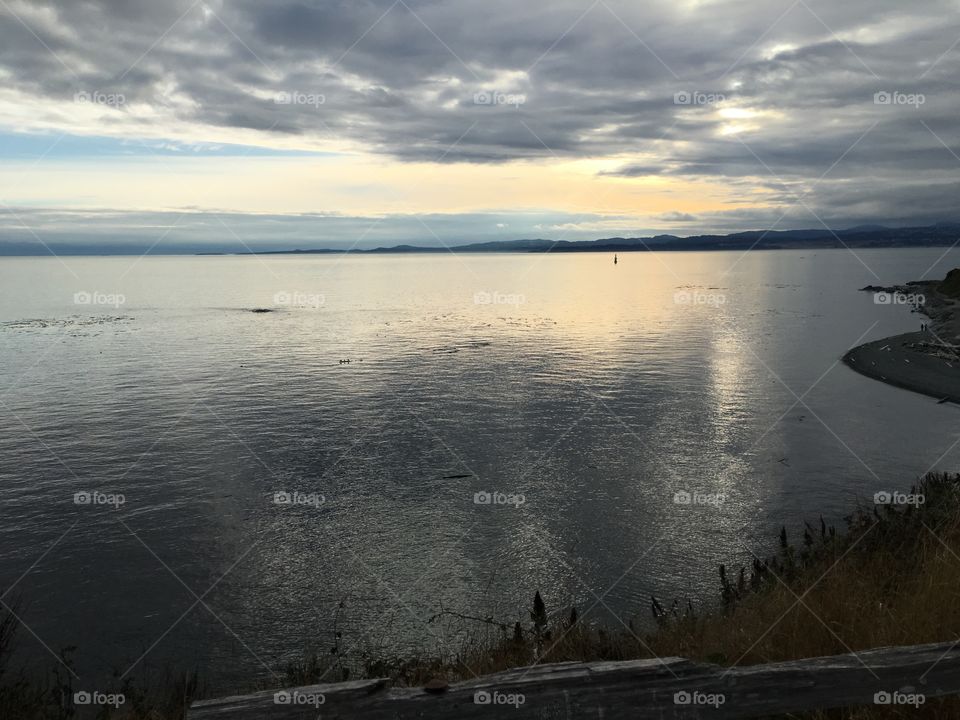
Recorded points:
(187, 481)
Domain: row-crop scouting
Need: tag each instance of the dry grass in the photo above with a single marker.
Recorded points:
(891, 577)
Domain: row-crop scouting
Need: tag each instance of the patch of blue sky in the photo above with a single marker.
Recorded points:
(31, 146)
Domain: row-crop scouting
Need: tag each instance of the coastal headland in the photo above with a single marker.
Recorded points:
(926, 361)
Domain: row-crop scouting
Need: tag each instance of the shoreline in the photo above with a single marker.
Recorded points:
(927, 361)
(893, 361)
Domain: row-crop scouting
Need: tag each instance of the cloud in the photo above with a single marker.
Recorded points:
(678, 217)
(778, 104)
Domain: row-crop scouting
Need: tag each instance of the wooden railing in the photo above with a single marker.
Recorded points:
(661, 689)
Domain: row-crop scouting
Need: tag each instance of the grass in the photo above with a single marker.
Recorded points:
(890, 577)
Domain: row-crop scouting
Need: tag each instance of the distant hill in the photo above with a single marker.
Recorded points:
(862, 236)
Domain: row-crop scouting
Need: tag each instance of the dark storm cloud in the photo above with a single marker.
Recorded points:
(487, 82)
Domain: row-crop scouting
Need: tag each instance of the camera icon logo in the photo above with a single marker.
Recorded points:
(682, 497)
(482, 98)
(482, 697)
(682, 98)
(82, 498)
(282, 498)
(82, 698)
(82, 298)
(282, 698)
(681, 698)
(482, 498)
(882, 498)
(882, 98)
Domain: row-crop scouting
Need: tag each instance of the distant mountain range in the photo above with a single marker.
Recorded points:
(862, 236)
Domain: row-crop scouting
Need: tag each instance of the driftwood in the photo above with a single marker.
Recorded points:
(660, 689)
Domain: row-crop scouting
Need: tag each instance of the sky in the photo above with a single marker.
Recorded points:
(183, 125)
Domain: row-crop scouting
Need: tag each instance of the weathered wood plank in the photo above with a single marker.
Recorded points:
(622, 690)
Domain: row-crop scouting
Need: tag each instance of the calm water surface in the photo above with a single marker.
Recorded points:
(593, 391)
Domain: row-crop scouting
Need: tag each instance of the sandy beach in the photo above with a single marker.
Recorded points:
(928, 361)
(898, 361)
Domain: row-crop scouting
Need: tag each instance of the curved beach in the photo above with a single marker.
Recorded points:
(926, 362)
(906, 361)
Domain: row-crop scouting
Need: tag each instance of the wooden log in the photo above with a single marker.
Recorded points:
(669, 688)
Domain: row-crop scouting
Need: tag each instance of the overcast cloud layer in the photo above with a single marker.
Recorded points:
(812, 111)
